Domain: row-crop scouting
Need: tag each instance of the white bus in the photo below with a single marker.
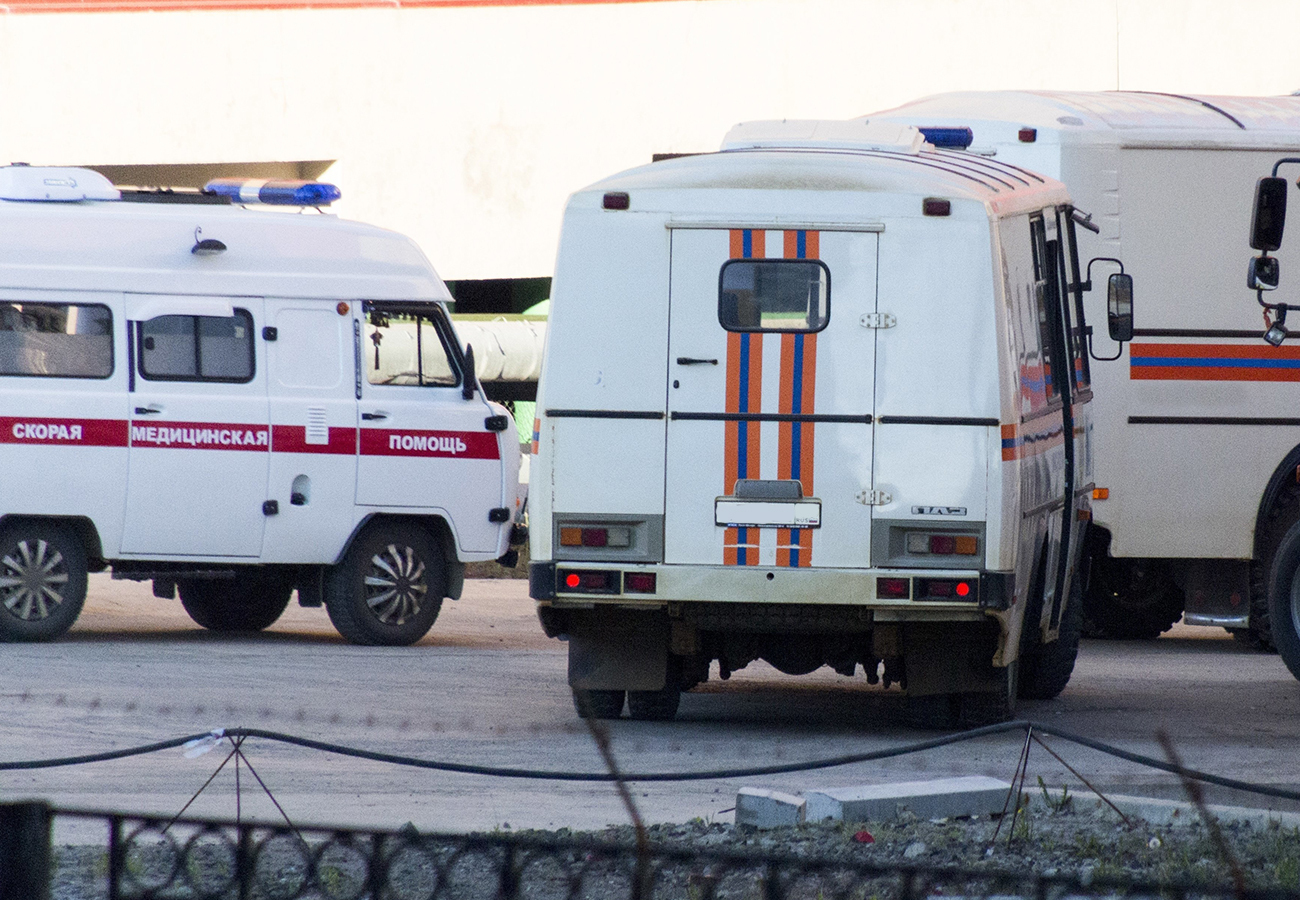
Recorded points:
(1198, 445)
(819, 399)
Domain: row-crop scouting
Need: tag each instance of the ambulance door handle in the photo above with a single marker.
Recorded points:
(148, 410)
(374, 416)
(692, 361)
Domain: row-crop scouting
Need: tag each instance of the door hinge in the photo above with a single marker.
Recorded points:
(878, 320)
(874, 498)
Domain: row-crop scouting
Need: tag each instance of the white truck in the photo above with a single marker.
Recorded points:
(235, 403)
(821, 398)
(1198, 444)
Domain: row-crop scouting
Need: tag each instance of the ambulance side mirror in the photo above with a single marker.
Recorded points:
(470, 382)
(1269, 215)
(1119, 307)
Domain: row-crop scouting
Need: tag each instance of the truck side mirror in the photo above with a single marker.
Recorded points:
(1264, 273)
(1119, 307)
(1269, 216)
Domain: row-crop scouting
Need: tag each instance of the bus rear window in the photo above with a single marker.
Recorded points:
(774, 295)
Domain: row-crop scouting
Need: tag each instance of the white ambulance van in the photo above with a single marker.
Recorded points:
(1198, 441)
(235, 403)
(821, 398)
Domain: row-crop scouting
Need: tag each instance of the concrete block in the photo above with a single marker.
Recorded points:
(761, 808)
(972, 795)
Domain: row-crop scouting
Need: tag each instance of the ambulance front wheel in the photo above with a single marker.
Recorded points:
(389, 587)
(42, 581)
(1284, 599)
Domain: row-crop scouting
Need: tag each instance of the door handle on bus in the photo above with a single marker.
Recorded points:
(692, 361)
(374, 416)
(147, 410)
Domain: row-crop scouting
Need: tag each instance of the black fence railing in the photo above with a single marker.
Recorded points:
(145, 858)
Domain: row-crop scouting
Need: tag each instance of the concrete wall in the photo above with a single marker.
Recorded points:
(467, 126)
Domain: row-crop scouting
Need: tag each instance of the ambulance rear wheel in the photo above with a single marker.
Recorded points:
(1284, 599)
(42, 581)
(251, 601)
(389, 587)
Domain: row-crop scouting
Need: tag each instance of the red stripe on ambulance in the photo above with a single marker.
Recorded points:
(450, 444)
(203, 436)
(293, 439)
(71, 432)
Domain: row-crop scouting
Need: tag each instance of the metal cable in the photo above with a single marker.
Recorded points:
(714, 774)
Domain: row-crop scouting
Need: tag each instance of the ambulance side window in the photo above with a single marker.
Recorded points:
(405, 348)
(56, 340)
(197, 348)
(774, 295)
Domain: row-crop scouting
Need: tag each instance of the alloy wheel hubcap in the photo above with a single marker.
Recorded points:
(395, 586)
(32, 579)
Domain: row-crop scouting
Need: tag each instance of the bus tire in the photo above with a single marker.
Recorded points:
(932, 712)
(388, 589)
(1282, 515)
(660, 705)
(43, 571)
(1045, 669)
(598, 704)
(1128, 599)
(1284, 599)
(251, 601)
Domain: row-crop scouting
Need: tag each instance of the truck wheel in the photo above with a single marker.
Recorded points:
(660, 705)
(1272, 530)
(1284, 599)
(389, 587)
(1130, 599)
(1045, 669)
(42, 581)
(598, 704)
(251, 601)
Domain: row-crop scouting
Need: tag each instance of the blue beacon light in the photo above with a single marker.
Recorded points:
(948, 138)
(274, 193)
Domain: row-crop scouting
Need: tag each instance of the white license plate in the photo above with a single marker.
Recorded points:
(733, 513)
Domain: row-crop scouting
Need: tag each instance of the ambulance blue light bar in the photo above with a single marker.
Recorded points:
(948, 138)
(274, 193)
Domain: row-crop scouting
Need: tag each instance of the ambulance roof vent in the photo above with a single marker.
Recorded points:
(62, 184)
(846, 134)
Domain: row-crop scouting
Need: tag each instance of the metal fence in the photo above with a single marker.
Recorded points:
(145, 858)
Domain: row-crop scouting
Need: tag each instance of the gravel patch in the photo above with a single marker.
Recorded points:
(1066, 840)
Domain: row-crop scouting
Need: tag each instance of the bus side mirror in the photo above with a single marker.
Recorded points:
(1119, 307)
(1264, 273)
(1269, 216)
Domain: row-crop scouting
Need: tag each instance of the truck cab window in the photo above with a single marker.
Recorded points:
(197, 348)
(56, 340)
(407, 348)
(774, 295)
